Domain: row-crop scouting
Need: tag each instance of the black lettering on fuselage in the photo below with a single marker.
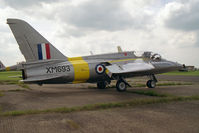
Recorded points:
(48, 70)
(58, 69)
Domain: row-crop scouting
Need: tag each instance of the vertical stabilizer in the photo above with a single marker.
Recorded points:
(2, 67)
(31, 43)
(119, 49)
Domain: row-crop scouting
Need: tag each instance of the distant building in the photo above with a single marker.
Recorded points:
(191, 68)
(188, 68)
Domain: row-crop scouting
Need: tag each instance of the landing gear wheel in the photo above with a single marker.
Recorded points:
(101, 85)
(151, 84)
(121, 86)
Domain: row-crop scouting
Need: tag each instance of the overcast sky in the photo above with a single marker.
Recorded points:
(76, 27)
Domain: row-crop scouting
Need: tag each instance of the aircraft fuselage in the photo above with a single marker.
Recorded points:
(84, 69)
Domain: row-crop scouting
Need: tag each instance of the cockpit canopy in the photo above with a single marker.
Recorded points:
(155, 56)
(151, 55)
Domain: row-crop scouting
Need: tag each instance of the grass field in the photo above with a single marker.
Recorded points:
(191, 73)
(10, 77)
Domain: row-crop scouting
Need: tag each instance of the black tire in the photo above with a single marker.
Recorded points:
(151, 84)
(101, 85)
(121, 86)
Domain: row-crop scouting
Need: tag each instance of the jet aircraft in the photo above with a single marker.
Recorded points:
(16, 67)
(2, 67)
(47, 65)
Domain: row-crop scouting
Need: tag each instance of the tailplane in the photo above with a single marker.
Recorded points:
(119, 49)
(32, 44)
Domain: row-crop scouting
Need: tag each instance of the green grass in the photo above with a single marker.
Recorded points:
(191, 73)
(163, 84)
(144, 85)
(148, 93)
(23, 85)
(1, 94)
(174, 83)
(12, 77)
(72, 124)
(16, 90)
(102, 106)
(6, 77)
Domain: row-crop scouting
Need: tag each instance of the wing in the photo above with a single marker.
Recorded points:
(128, 68)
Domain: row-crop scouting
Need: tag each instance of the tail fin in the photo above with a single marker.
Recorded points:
(119, 49)
(2, 67)
(31, 43)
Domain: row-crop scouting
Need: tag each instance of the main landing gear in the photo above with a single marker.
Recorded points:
(121, 85)
(152, 82)
(102, 84)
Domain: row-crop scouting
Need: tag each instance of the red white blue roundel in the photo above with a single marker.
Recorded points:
(100, 69)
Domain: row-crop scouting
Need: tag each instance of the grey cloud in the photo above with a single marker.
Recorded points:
(185, 18)
(87, 16)
(103, 15)
(25, 3)
(197, 39)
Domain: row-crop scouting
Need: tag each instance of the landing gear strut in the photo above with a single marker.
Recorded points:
(102, 84)
(152, 82)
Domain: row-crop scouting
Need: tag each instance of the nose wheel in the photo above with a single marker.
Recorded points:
(152, 82)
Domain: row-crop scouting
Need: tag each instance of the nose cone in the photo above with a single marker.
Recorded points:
(178, 66)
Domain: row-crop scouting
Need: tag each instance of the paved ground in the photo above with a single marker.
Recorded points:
(53, 96)
(180, 117)
(172, 117)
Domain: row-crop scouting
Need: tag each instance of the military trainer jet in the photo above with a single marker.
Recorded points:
(47, 65)
(2, 67)
(16, 67)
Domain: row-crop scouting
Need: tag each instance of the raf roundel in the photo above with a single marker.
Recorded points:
(100, 69)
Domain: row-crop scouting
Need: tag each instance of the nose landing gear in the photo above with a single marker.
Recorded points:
(152, 82)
